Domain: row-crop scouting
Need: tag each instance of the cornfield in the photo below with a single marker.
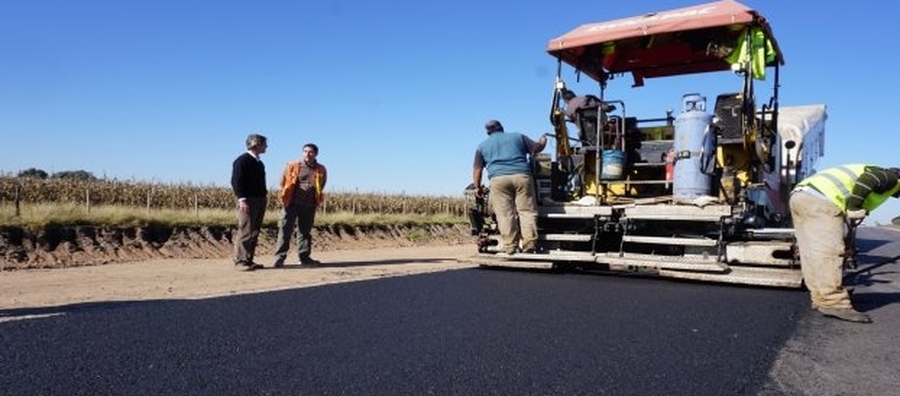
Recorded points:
(151, 196)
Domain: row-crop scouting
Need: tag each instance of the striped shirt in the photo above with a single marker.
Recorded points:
(872, 180)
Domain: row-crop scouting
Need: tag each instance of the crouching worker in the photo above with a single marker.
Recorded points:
(821, 205)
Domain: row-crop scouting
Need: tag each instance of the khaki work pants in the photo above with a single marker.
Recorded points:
(819, 229)
(513, 201)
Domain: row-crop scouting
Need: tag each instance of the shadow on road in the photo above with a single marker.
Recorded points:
(363, 263)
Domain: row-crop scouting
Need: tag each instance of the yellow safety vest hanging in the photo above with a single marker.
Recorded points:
(756, 52)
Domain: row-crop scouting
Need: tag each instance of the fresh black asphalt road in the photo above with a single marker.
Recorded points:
(463, 332)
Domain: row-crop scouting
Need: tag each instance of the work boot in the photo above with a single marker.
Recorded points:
(309, 261)
(848, 314)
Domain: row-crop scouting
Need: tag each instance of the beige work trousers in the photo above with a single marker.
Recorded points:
(513, 202)
(819, 229)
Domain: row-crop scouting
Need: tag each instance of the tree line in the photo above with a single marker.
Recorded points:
(36, 173)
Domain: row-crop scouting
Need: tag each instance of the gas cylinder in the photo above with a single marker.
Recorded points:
(693, 145)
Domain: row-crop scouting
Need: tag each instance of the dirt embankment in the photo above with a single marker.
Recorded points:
(55, 247)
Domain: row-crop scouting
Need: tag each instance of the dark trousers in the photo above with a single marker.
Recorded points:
(248, 227)
(303, 217)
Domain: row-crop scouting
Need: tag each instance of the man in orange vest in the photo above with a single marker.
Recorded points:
(820, 206)
(301, 193)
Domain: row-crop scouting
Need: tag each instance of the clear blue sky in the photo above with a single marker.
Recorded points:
(395, 93)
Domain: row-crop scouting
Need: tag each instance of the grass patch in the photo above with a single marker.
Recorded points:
(418, 235)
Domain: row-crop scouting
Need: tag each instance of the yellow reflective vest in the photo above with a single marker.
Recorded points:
(837, 183)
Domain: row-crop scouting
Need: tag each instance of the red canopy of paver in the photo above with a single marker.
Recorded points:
(681, 41)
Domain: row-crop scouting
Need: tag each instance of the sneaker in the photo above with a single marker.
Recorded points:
(848, 314)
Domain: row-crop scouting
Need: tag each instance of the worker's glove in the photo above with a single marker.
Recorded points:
(856, 215)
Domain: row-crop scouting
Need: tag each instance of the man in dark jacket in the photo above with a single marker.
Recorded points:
(585, 111)
(248, 180)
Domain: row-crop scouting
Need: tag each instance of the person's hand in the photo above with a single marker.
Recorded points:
(479, 191)
(857, 215)
(242, 206)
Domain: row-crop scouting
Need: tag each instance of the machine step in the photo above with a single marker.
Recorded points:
(670, 240)
(566, 237)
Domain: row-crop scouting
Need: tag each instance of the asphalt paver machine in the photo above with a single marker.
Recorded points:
(695, 193)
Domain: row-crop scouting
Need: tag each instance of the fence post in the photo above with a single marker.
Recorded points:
(149, 192)
(18, 208)
(87, 199)
(196, 205)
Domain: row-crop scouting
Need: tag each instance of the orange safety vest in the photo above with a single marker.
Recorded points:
(289, 182)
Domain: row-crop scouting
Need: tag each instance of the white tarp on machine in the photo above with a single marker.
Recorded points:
(805, 126)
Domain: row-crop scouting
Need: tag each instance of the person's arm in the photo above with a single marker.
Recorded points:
(477, 170)
(285, 176)
(873, 180)
(238, 182)
(541, 143)
(237, 177)
(535, 147)
(324, 178)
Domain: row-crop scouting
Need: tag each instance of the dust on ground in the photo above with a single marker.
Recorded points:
(89, 265)
(204, 278)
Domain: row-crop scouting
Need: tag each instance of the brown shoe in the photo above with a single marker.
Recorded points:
(848, 314)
